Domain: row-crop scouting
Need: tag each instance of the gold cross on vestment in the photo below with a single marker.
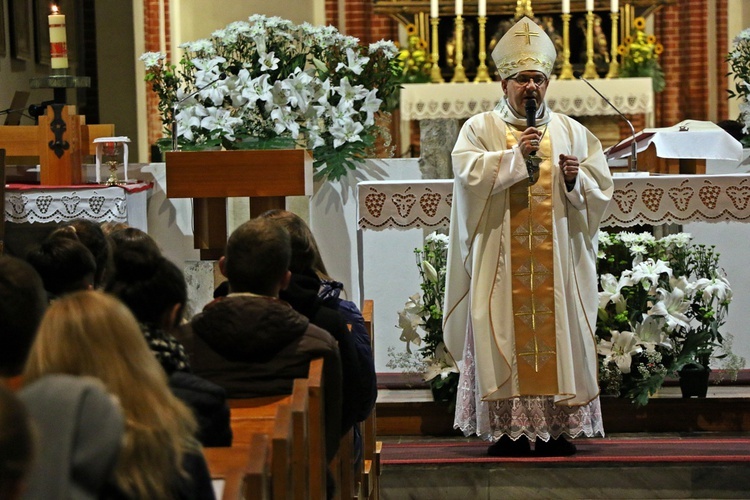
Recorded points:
(536, 352)
(527, 33)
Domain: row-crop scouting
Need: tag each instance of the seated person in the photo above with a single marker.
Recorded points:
(250, 342)
(156, 293)
(79, 429)
(91, 235)
(89, 333)
(22, 304)
(64, 263)
(341, 318)
(16, 446)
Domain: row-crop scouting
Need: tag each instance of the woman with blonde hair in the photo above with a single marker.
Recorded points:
(91, 333)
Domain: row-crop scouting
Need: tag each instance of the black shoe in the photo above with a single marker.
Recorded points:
(506, 447)
(558, 447)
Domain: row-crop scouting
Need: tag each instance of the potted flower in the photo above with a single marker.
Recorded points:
(421, 324)
(662, 303)
(270, 83)
(640, 55)
(739, 64)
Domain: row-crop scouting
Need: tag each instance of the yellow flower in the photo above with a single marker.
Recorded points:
(622, 50)
(651, 39)
(411, 29)
(658, 49)
(628, 40)
(639, 23)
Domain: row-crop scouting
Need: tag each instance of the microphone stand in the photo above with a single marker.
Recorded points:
(177, 103)
(633, 163)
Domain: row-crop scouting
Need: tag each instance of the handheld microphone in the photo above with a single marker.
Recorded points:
(633, 162)
(532, 164)
(222, 76)
(530, 113)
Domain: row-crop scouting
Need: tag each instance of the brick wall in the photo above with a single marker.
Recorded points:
(722, 47)
(681, 28)
(151, 17)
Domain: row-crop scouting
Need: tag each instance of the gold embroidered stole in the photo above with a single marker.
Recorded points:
(531, 261)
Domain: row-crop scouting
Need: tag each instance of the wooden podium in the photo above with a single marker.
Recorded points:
(210, 177)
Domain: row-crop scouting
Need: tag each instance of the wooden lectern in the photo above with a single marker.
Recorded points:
(60, 141)
(210, 177)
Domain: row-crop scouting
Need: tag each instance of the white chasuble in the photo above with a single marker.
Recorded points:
(531, 336)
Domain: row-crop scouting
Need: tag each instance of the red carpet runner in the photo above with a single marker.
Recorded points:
(676, 449)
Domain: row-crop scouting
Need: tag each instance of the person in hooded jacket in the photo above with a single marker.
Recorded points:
(251, 342)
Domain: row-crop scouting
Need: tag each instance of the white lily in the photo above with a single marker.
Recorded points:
(346, 131)
(429, 271)
(612, 290)
(714, 288)
(651, 333)
(619, 349)
(408, 324)
(648, 272)
(673, 307)
(355, 62)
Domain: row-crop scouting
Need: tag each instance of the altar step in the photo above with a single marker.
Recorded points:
(624, 466)
(726, 409)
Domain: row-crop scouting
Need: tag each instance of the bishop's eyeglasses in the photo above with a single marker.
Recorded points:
(523, 79)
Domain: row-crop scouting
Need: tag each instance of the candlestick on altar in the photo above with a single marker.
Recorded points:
(566, 73)
(435, 73)
(459, 74)
(590, 69)
(482, 74)
(614, 66)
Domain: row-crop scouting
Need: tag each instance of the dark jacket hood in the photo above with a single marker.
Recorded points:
(246, 328)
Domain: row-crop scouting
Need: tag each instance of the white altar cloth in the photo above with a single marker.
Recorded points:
(655, 200)
(25, 203)
(421, 101)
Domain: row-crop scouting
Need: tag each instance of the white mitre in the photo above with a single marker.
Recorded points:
(524, 47)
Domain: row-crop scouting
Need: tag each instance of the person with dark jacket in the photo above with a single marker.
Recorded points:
(155, 291)
(342, 318)
(251, 342)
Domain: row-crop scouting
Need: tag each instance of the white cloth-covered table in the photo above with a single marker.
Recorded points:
(655, 200)
(421, 101)
(687, 139)
(25, 203)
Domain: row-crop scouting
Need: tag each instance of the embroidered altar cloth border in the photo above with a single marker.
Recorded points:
(43, 204)
(420, 101)
(655, 200)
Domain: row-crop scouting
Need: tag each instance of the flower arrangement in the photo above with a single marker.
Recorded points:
(270, 83)
(640, 55)
(661, 305)
(739, 64)
(421, 323)
(414, 61)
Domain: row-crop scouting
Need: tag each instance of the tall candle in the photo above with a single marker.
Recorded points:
(459, 7)
(434, 8)
(589, 5)
(482, 8)
(57, 39)
(614, 6)
(566, 7)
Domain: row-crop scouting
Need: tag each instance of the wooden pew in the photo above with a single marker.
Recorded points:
(291, 466)
(243, 471)
(316, 428)
(370, 477)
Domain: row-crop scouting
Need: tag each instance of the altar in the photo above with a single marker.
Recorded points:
(642, 200)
